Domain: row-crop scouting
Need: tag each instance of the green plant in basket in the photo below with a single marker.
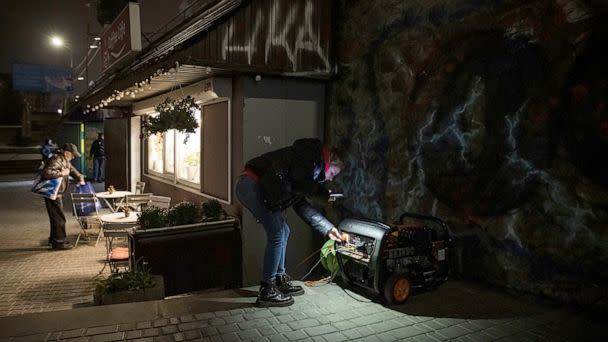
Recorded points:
(184, 213)
(177, 114)
(152, 217)
(135, 280)
(212, 210)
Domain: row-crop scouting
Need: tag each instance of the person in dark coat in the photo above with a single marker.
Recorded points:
(59, 166)
(275, 181)
(47, 150)
(98, 153)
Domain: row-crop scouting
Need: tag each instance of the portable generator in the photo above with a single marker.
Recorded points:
(392, 260)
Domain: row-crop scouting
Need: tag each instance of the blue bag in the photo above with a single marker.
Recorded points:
(83, 209)
(47, 187)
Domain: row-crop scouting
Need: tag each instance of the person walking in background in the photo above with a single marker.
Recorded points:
(47, 150)
(272, 183)
(59, 166)
(98, 154)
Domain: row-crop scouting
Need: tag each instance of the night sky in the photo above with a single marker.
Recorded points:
(26, 26)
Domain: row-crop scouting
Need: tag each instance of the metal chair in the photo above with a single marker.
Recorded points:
(117, 257)
(139, 188)
(135, 201)
(160, 202)
(84, 207)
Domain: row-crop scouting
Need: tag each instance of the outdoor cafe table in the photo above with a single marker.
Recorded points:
(120, 218)
(106, 196)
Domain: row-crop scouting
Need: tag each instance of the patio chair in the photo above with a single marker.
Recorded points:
(139, 188)
(117, 255)
(160, 202)
(136, 201)
(84, 207)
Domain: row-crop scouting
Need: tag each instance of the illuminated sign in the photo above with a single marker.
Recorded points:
(122, 37)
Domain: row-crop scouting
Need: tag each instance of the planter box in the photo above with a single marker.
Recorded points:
(154, 293)
(192, 257)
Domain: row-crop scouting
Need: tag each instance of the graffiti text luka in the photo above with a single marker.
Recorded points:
(307, 36)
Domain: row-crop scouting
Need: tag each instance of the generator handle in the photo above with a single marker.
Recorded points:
(426, 217)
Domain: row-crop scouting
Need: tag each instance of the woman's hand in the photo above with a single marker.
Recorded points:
(334, 234)
(65, 172)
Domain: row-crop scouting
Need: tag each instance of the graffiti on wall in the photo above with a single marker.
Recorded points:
(297, 22)
(493, 118)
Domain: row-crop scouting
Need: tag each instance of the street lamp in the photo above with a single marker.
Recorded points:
(58, 42)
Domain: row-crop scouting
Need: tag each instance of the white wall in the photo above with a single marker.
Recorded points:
(135, 152)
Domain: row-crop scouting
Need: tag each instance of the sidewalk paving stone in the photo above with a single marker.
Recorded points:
(295, 335)
(320, 330)
(301, 324)
(335, 337)
(452, 332)
(63, 296)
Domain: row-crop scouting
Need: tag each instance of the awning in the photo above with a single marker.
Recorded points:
(159, 67)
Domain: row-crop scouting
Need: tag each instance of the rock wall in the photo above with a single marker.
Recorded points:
(490, 115)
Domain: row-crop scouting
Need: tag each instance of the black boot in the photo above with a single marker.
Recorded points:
(270, 296)
(63, 245)
(284, 284)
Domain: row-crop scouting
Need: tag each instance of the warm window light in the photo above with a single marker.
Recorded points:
(97, 38)
(206, 96)
(60, 111)
(80, 78)
(56, 41)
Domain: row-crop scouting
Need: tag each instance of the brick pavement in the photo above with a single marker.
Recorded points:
(35, 278)
(325, 313)
(45, 296)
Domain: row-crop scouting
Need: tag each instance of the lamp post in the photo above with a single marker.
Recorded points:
(58, 42)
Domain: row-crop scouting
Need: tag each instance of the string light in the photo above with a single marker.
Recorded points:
(141, 86)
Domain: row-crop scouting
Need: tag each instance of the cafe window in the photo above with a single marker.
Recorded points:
(188, 154)
(171, 155)
(203, 160)
(155, 153)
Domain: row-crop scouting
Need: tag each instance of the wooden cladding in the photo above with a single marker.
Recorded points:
(116, 132)
(215, 149)
(272, 36)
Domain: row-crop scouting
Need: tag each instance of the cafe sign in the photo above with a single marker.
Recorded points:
(122, 37)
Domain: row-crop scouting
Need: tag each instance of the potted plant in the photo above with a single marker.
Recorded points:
(180, 249)
(192, 162)
(175, 114)
(152, 217)
(184, 213)
(132, 286)
(213, 211)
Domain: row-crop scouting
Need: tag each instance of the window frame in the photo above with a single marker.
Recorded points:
(173, 179)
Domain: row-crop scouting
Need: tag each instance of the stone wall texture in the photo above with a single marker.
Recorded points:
(490, 115)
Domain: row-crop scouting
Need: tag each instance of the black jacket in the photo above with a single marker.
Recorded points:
(97, 149)
(288, 175)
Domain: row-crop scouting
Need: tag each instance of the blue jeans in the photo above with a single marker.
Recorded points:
(250, 195)
(98, 168)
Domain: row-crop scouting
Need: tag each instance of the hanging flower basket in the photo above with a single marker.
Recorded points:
(177, 114)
